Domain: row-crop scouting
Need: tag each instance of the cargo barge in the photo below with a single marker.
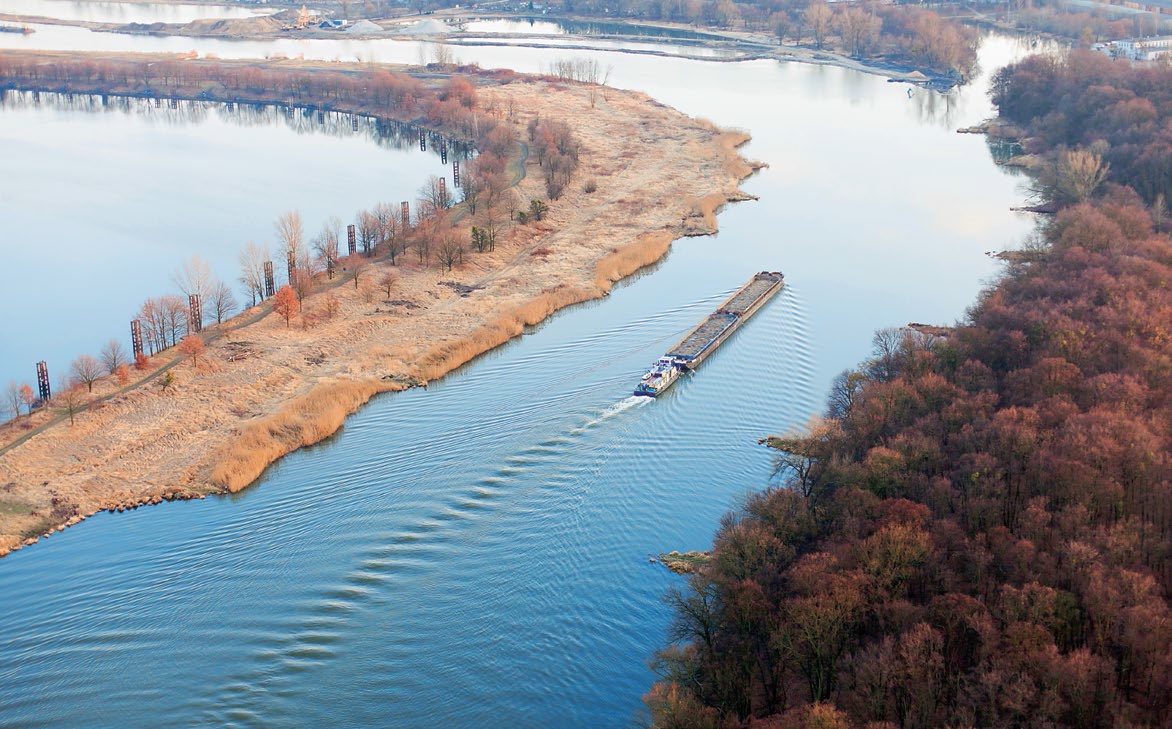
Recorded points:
(698, 344)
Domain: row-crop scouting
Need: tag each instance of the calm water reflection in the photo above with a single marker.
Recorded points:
(527, 26)
(63, 37)
(126, 12)
(476, 554)
(105, 198)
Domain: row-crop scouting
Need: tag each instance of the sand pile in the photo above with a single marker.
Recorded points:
(364, 27)
(232, 26)
(426, 27)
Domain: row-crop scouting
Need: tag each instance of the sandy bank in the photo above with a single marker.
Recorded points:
(263, 389)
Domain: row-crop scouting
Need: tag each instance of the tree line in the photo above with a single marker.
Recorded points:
(870, 30)
(978, 532)
(378, 93)
(434, 230)
(905, 33)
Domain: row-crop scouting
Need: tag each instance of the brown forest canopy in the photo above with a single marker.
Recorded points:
(1120, 110)
(980, 532)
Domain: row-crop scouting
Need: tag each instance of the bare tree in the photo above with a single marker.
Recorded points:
(223, 302)
(290, 235)
(441, 54)
(355, 267)
(303, 275)
(491, 220)
(367, 227)
(422, 238)
(70, 397)
(387, 281)
(113, 355)
(511, 201)
(195, 277)
(586, 71)
(435, 195)
(325, 245)
(86, 369)
(252, 271)
(393, 232)
(1078, 173)
(859, 28)
(470, 188)
(12, 399)
(843, 389)
(388, 224)
(817, 17)
(450, 249)
(174, 313)
(153, 330)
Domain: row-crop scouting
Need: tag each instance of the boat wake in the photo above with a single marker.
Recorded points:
(622, 406)
(613, 411)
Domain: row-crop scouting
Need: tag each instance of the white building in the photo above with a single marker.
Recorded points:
(1138, 49)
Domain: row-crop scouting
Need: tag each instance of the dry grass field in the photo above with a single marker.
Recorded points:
(264, 389)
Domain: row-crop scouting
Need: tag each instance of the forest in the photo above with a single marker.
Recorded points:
(979, 530)
(1119, 112)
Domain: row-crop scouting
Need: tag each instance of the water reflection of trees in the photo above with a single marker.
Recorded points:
(937, 108)
(385, 133)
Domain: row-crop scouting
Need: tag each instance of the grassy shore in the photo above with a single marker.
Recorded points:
(264, 389)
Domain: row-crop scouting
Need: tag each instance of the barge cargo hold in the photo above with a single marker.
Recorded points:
(698, 344)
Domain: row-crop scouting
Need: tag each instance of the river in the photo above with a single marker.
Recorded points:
(476, 554)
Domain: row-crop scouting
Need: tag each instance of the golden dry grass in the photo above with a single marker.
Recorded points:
(444, 358)
(301, 422)
(660, 176)
(734, 164)
(622, 262)
(615, 266)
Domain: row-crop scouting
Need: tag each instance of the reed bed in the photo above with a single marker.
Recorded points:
(301, 422)
(622, 262)
(444, 358)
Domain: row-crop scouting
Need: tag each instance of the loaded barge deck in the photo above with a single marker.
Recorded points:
(698, 344)
(702, 341)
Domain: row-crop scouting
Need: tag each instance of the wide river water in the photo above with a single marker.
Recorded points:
(476, 554)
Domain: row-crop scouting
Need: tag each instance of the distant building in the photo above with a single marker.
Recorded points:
(1160, 7)
(1138, 49)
